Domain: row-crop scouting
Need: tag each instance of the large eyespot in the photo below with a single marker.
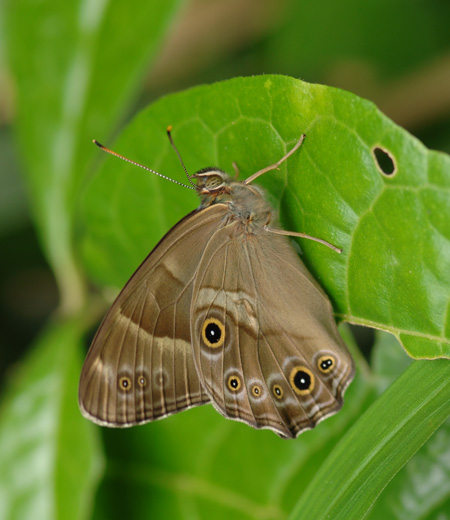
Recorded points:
(326, 364)
(234, 383)
(213, 333)
(277, 391)
(125, 383)
(302, 380)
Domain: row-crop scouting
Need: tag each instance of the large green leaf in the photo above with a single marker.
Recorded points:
(394, 272)
(69, 89)
(50, 457)
(199, 465)
(422, 486)
(380, 443)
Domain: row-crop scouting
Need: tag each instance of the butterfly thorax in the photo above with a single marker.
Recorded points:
(246, 203)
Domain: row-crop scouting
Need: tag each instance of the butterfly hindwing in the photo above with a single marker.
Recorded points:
(279, 362)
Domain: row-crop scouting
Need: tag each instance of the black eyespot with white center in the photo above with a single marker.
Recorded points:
(302, 380)
(256, 391)
(234, 383)
(277, 391)
(125, 383)
(326, 364)
(213, 333)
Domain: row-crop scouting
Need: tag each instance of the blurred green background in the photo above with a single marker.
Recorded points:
(395, 53)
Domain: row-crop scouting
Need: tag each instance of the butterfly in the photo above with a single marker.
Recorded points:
(222, 311)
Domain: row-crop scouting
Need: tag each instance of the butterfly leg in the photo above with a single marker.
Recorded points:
(303, 235)
(277, 164)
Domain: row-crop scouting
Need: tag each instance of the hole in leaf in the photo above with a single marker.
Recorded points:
(385, 161)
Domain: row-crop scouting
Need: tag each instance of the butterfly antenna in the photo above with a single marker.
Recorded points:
(111, 152)
(169, 135)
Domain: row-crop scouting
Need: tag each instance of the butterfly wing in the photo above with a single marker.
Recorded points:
(140, 365)
(266, 344)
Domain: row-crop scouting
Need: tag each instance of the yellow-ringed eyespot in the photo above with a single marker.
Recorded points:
(326, 364)
(142, 381)
(234, 383)
(213, 333)
(256, 390)
(302, 380)
(125, 383)
(277, 391)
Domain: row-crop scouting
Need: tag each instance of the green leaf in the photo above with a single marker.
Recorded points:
(69, 90)
(50, 458)
(198, 464)
(394, 272)
(387, 360)
(423, 484)
(379, 444)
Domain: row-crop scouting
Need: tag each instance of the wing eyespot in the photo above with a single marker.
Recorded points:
(213, 333)
(302, 380)
(142, 381)
(125, 384)
(278, 392)
(256, 391)
(326, 364)
(234, 383)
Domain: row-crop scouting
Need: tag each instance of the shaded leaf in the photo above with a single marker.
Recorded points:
(388, 361)
(198, 464)
(69, 89)
(423, 484)
(50, 458)
(379, 444)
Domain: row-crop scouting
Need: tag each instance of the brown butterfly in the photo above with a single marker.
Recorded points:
(222, 311)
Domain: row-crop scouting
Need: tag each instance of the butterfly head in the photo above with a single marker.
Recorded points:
(213, 185)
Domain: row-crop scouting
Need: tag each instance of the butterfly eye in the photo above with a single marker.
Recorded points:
(125, 383)
(277, 391)
(213, 182)
(302, 380)
(213, 333)
(234, 383)
(326, 364)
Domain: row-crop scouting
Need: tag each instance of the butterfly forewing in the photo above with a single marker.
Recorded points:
(140, 366)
